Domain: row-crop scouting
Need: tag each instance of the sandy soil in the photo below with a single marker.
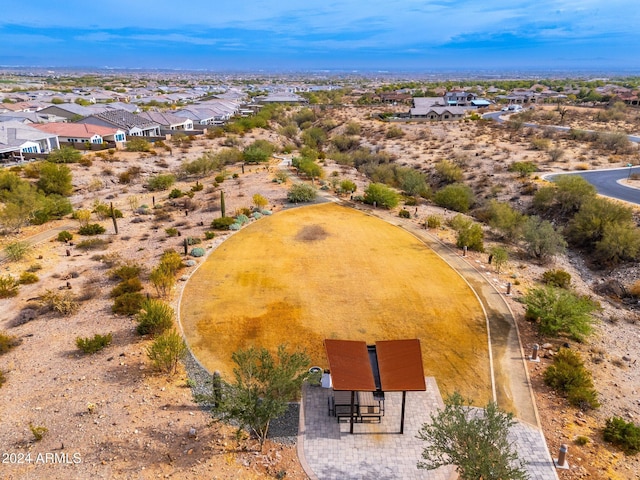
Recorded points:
(124, 421)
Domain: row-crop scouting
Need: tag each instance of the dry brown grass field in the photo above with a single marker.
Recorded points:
(327, 271)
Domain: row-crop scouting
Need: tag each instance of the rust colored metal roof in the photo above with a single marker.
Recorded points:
(350, 366)
(400, 365)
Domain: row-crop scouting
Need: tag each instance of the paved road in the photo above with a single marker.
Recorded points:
(607, 183)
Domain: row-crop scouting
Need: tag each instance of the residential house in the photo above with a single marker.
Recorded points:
(17, 139)
(280, 97)
(83, 132)
(168, 121)
(459, 98)
(438, 113)
(134, 125)
(29, 117)
(70, 111)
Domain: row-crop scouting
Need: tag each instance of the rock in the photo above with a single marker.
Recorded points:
(547, 346)
(184, 278)
(190, 263)
(626, 358)
(192, 432)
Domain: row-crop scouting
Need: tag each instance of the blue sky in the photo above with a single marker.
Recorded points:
(334, 34)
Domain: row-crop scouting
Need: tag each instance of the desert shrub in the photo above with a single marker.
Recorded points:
(7, 342)
(34, 268)
(499, 257)
(63, 303)
(542, 240)
(154, 317)
(27, 278)
(404, 213)
(470, 233)
(177, 193)
(8, 286)
(394, 132)
(16, 251)
(172, 261)
(561, 312)
(129, 285)
(166, 351)
(242, 219)
(65, 155)
(301, 192)
(208, 235)
(197, 252)
(557, 278)
(102, 210)
(381, 196)
(163, 279)
(540, 143)
(161, 182)
(91, 229)
(93, 244)
(128, 303)
(222, 223)
(193, 240)
(434, 221)
(456, 197)
(569, 376)
(171, 232)
(448, 171)
(198, 187)
(64, 236)
(625, 435)
(137, 144)
(504, 218)
(126, 272)
(93, 344)
(38, 432)
(523, 169)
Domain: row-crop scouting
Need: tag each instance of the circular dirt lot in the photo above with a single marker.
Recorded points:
(327, 271)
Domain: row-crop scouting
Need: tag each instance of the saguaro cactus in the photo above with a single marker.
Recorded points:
(222, 206)
(113, 217)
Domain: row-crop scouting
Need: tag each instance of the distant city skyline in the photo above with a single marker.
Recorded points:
(348, 35)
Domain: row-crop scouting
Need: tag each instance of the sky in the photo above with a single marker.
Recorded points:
(298, 35)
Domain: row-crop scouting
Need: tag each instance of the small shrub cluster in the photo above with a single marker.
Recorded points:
(64, 236)
(163, 276)
(301, 193)
(91, 229)
(557, 278)
(569, 376)
(154, 318)
(62, 303)
(8, 286)
(7, 342)
(130, 285)
(17, 250)
(197, 252)
(93, 244)
(27, 278)
(404, 213)
(93, 344)
(126, 294)
(434, 221)
(624, 434)
(222, 223)
(166, 351)
(171, 232)
(126, 271)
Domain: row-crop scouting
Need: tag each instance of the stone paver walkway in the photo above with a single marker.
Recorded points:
(376, 450)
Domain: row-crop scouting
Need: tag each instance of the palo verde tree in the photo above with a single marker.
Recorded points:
(262, 387)
(475, 441)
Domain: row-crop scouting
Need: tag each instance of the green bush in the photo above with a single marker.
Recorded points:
(624, 434)
(470, 234)
(93, 344)
(91, 229)
(166, 351)
(434, 221)
(560, 312)
(63, 303)
(65, 155)
(569, 376)
(93, 244)
(222, 223)
(404, 213)
(128, 304)
(219, 178)
(176, 193)
(301, 192)
(16, 251)
(523, 169)
(161, 182)
(381, 195)
(130, 285)
(64, 236)
(8, 286)
(171, 232)
(137, 144)
(456, 197)
(197, 252)
(126, 272)
(208, 235)
(171, 260)
(155, 317)
(557, 278)
(27, 278)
